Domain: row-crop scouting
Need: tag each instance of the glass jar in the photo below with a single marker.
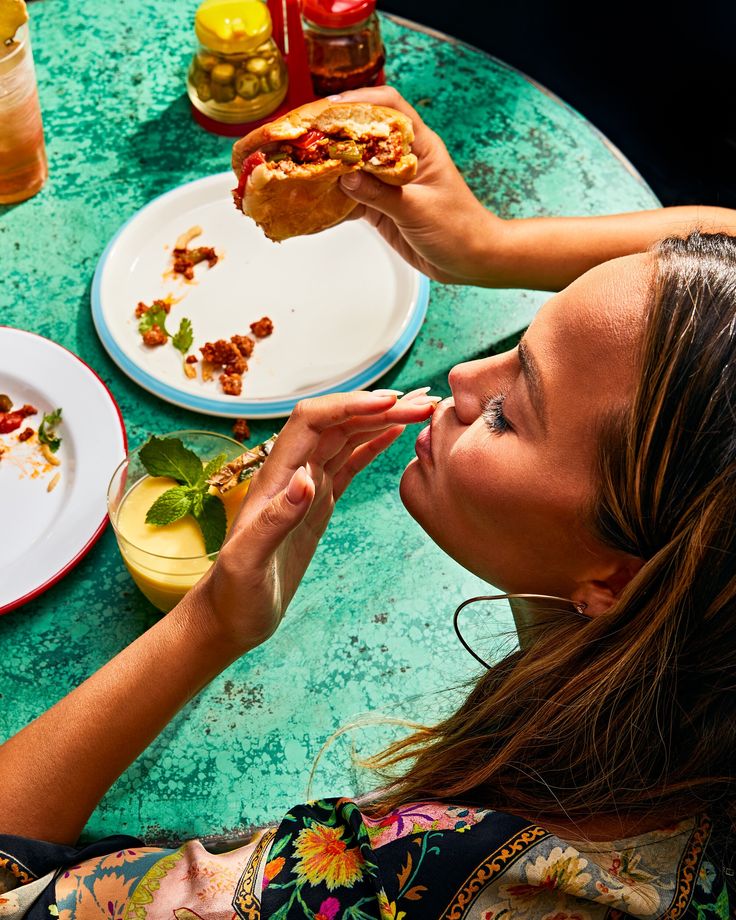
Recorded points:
(23, 166)
(237, 74)
(344, 46)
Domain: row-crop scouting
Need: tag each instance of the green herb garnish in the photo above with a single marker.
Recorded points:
(169, 457)
(154, 316)
(47, 430)
(183, 338)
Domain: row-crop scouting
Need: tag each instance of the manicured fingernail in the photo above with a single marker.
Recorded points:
(296, 491)
(386, 392)
(335, 97)
(426, 401)
(420, 391)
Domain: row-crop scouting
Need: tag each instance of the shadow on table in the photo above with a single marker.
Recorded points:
(168, 146)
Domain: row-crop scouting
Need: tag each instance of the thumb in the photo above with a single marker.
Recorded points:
(281, 514)
(371, 191)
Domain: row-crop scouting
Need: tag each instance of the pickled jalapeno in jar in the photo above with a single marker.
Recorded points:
(237, 73)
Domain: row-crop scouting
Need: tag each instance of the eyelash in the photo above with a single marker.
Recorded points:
(492, 413)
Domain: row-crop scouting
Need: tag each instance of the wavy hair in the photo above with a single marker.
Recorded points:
(634, 712)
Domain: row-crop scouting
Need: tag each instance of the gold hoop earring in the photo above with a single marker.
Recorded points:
(526, 626)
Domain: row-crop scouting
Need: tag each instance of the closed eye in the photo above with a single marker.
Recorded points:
(492, 413)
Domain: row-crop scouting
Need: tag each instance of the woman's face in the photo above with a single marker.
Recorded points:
(504, 474)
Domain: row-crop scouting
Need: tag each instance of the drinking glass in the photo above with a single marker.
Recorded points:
(23, 166)
(165, 578)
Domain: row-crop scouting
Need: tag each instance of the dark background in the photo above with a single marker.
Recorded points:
(659, 81)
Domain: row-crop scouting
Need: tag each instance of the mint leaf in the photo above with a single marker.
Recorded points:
(212, 467)
(169, 457)
(153, 317)
(183, 338)
(170, 506)
(212, 522)
(47, 430)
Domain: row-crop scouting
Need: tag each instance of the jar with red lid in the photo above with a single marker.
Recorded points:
(344, 46)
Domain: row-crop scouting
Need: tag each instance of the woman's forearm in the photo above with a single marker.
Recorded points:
(547, 253)
(54, 772)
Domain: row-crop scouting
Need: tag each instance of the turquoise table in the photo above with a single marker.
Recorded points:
(370, 630)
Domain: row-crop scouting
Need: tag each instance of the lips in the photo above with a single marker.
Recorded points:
(423, 444)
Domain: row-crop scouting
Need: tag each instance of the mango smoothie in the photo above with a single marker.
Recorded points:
(165, 562)
(167, 559)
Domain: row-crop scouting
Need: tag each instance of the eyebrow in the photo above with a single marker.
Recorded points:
(530, 370)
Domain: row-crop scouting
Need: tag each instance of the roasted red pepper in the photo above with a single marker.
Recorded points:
(249, 164)
(308, 140)
(9, 421)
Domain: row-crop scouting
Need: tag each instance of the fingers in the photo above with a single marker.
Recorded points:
(369, 191)
(389, 96)
(362, 456)
(275, 519)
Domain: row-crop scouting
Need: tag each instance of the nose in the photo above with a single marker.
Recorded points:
(471, 381)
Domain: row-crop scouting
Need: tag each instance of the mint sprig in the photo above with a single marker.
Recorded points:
(169, 457)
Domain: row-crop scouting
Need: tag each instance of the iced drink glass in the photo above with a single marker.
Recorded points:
(23, 167)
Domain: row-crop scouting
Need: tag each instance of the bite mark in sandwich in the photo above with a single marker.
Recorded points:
(290, 170)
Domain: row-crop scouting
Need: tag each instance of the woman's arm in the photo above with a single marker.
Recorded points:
(54, 771)
(440, 227)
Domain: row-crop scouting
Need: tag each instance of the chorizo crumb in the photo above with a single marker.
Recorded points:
(25, 434)
(232, 384)
(241, 430)
(191, 359)
(238, 366)
(155, 336)
(244, 344)
(220, 352)
(262, 327)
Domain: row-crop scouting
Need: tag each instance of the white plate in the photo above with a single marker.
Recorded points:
(44, 534)
(345, 306)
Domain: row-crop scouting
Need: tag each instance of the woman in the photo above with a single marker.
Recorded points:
(592, 771)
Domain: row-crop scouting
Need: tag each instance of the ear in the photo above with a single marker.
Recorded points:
(599, 594)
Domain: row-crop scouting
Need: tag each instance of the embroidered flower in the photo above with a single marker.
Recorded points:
(567, 915)
(628, 886)
(273, 867)
(560, 870)
(328, 909)
(323, 857)
(706, 877)
(388, 908)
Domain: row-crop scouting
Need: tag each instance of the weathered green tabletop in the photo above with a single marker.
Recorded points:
(370, 630)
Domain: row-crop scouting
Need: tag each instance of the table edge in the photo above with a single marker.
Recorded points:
(443, 36)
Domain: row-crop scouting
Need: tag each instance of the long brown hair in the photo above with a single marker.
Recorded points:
(634, 712)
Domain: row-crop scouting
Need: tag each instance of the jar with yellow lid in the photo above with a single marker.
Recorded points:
(237, 74)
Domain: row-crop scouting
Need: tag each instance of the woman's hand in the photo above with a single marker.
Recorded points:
(435, 222)
(325, 443)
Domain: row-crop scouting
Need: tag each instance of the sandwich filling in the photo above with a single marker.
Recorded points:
(316, 148)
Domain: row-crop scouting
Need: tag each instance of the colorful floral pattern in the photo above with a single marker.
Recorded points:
(329, 861)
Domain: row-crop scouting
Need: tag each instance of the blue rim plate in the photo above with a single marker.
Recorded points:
(345, 306)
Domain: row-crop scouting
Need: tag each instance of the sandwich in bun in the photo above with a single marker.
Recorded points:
(290, 168)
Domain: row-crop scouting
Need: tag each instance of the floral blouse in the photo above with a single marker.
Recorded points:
(328, 861)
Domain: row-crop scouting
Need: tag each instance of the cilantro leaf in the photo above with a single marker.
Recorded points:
(212, 467)
(212, 522)
(170, 506)
(154, 316)
(169, 457)
(184, 336)
(47, 430)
